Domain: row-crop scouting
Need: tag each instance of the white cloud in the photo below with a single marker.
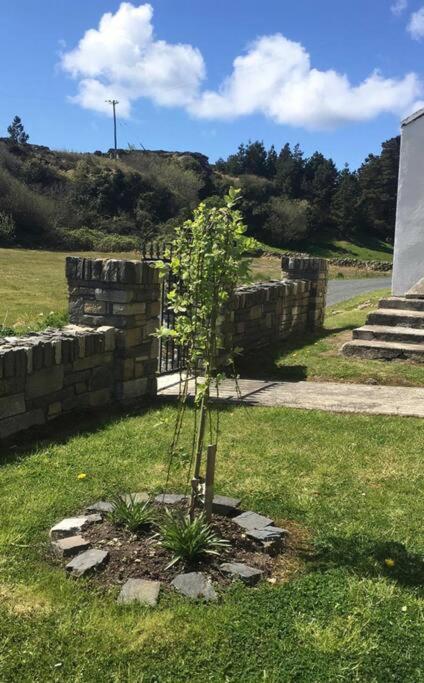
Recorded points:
(416, 24)
(123, 59)
(398, 7)
(276, 78)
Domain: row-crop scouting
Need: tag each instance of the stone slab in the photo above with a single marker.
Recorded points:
(141, 591)
(251, 520)
(269, 533)
(194, 585)
(72, 525)
(70, 546)
(169, 498)
(224, 505)
(87, 562)
(238, 570)
(101, 507)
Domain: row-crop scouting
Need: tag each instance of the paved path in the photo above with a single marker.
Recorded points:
(340, 290)
(329, 396)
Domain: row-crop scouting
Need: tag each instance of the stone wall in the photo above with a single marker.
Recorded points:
(49, 374)
(266, 312)
(109, 353)
(108, 356)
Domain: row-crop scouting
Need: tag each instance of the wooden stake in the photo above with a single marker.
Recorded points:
(209, 480)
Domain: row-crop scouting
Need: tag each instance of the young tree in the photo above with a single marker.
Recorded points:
(17, 132)
(206, 262)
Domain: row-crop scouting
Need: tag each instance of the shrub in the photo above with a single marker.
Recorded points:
(187, 539)
(286, 220)
(131, 514)
(87, 239)
(33, 214)
(7, 228)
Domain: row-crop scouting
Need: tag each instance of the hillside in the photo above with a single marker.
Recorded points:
(66, 200)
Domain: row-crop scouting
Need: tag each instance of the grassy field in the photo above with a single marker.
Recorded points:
(366, 249)
(342, 613)
(318, 358)
(269, 268)
(33, 285)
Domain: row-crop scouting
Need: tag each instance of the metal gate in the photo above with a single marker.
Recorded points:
(171, 356)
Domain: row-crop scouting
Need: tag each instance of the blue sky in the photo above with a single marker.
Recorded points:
(332, 75)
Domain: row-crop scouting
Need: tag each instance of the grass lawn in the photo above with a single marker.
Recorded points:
(353, 481)
(318, 358)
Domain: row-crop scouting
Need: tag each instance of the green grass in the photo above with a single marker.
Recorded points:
(33, 284)
(364, 249)
(318, 358)
(352, 480)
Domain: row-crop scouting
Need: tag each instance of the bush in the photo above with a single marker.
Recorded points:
(33, 214)
(187, 539)
(87, 239)
(129, 513)
(286, 220)
(7, 228)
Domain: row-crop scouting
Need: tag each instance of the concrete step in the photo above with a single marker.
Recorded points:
(403, 302)
(393, 317)
(381, 350)
(403, 335)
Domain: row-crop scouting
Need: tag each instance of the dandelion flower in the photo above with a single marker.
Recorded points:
(81, 475)
(389, 562)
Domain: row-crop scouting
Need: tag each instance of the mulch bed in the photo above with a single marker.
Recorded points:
(141, 555)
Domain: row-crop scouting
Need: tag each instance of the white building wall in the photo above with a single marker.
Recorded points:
(408, 266)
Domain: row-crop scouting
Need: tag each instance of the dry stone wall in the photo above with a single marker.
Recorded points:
(266, 312)
(109, 354)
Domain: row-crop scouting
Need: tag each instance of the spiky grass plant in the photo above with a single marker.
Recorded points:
(188, 539)
(131, 514)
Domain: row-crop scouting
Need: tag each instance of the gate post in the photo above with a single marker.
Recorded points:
(315, 271)
(125, 295)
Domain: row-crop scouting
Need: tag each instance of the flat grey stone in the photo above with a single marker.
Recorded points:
(251, 520)
(87, 562)
(102, 506)
(169, 498)
(194, 585)
(223, 505)
(237, 570)
(70, 546)
(269, 533)
(137, 497)
(139, 590)
(73, 525)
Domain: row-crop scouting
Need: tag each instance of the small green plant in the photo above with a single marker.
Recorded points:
(131, 514)
(189, 539)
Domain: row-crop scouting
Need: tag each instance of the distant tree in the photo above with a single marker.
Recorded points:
(378, 177)
(17, 132)
(319, 185)
(346, 210)
(290, 168)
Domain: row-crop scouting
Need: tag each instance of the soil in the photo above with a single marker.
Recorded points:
(140, 555)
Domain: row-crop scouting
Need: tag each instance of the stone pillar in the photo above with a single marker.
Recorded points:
(315, 271)
(125, 295)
